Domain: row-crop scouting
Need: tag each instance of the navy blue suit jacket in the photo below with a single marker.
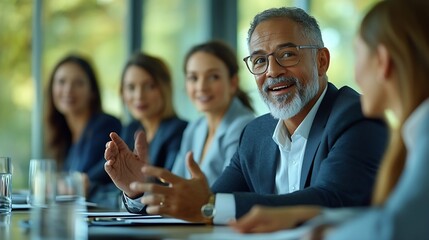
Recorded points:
(87, 155)
(339, 166)
(166, 143)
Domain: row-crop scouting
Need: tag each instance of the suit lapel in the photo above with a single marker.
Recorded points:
(199, 139)
(156, 144)
(269, 156)
(316, 133)
(269, 168)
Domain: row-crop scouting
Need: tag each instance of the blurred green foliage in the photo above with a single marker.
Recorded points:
(171, 27)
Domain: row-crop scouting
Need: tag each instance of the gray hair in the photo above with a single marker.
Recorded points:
(309, 27)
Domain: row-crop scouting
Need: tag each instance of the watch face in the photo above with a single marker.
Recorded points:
(208, 210)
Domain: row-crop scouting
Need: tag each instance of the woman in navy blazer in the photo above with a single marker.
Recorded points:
(392, 58)
(77, 128)
(212, 84)
(146, 90)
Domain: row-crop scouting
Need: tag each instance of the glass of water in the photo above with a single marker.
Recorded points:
(42, 182)
(70, 189)
(5, 185)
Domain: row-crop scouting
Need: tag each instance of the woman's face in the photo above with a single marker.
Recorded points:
(208, 83)
(71, 90)
(141, 94)
(366, 76)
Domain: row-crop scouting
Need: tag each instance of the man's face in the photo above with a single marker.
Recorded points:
(286, 90)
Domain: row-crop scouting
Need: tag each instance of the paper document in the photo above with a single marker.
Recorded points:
(117, 214)
(332, 216)
(157, 221)
(19, 206)
(128, 220)
(229, 234)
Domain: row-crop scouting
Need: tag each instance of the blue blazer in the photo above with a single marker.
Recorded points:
(223, 145)
(87, 155)
(339, 166)
(166, 143)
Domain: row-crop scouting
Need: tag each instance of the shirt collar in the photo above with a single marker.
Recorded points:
(281, 134)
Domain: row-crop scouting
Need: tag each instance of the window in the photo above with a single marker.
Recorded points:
(170, 27)
(16, 90)
(92, 28)
(338, 20)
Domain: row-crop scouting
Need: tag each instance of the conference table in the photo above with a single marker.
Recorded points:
(13, 226)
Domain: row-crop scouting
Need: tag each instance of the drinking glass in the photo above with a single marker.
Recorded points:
(5, 227)
(42, 182)
(62, 218)
(5, 185)
(65, 216)
(70, 189)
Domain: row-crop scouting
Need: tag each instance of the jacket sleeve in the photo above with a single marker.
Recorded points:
(94, 165)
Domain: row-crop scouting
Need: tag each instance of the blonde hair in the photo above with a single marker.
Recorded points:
(400, 26)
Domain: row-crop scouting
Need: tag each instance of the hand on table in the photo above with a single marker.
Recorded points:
(268, 219)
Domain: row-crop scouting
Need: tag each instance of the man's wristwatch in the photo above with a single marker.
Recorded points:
(208, 210)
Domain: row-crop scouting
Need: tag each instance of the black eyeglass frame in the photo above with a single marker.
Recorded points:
(298, 47)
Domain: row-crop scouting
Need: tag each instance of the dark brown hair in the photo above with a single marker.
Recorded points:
(59, 138)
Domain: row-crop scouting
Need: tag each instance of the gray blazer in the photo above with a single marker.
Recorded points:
(406, 212)
(223, 146)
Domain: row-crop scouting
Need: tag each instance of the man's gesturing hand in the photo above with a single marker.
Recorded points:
(179, 198)
(123, 165)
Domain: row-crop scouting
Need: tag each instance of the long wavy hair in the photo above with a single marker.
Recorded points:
(401, 27)
(58, 134)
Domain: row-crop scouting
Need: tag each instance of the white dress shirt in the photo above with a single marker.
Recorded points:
(288, 171)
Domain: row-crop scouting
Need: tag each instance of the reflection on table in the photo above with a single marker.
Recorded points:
(17, 227)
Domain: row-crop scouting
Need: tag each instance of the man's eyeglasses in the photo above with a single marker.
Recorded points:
(285, 56)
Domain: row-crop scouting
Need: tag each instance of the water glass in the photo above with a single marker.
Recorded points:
(5, 226)
(42, 179)
(5, 185)
(70, 189)
(69, 204)
(61, 219)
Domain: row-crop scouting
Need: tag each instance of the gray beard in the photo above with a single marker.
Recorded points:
(288, 105)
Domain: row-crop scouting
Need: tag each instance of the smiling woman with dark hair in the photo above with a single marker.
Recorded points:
(212, 85)
(77, 128)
